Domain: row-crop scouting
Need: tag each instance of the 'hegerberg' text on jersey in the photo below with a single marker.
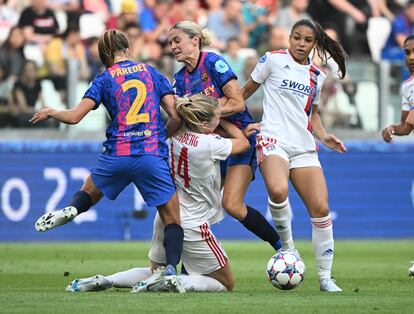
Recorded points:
(290, 90)
(131, 93)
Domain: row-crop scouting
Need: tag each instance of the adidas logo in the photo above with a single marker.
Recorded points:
(328, 252)
(286, 67)
(280, 227)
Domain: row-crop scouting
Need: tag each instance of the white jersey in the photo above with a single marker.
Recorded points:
(407, 93)
(290, 90)
(195, 165)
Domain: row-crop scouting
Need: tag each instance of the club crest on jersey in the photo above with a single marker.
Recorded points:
(204, 77)
(263, 58)
(221, 66)
(314, 77)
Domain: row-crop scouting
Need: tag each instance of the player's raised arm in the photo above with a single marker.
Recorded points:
(233, 101)
(174, 119)
(69, 116)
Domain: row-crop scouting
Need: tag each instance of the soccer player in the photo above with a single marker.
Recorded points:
(407, 123)
(135, 150)
(209, 74)
(195, 163)
(286, 146)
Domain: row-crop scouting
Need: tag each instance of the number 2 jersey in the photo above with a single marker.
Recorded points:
(290, 90)
(195, 166)
(209, 76)
(132, 93)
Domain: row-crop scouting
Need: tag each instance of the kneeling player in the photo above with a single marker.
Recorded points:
(195, 164)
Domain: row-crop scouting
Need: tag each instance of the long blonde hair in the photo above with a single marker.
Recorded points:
(195, 110)
(192, 29)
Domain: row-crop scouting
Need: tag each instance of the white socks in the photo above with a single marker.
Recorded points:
(282, 217)
(323, 245)
(129, 278)
(201, 283)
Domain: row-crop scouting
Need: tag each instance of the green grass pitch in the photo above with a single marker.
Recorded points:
(373, 275)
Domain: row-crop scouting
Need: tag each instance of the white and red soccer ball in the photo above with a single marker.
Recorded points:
(285, 270)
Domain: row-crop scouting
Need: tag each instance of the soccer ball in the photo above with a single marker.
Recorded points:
(285, 270)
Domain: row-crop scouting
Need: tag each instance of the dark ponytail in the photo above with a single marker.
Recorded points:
(326, 47)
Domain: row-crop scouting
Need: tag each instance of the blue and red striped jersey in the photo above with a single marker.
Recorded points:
(132, 93)
(211, 73)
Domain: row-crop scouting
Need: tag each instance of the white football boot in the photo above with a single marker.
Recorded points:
(329, 285)
(57, 218)
(94, 283)
(155, 283)
(411, 270)
(172, 281)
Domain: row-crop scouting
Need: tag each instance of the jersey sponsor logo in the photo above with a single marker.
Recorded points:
(221, 66)
(297, 88)
(138, 133)
(262, 58)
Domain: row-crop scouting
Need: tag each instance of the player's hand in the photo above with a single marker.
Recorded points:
(387, 133)
(252, 128)
(44, 114)
(334, 143)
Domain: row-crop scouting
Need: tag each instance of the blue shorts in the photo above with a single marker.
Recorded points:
(150, 174)
(247, 158)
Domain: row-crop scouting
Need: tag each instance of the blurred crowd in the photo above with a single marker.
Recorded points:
(39, 37)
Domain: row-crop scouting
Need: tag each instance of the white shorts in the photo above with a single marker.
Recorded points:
(202, 252)
(297, 158)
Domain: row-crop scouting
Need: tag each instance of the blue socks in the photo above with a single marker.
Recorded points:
(256, 223)
(173, 243)
(81, 201)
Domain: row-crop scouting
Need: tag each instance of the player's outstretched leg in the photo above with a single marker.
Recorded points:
(81, 202)
(94, 283)
(57, 218)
